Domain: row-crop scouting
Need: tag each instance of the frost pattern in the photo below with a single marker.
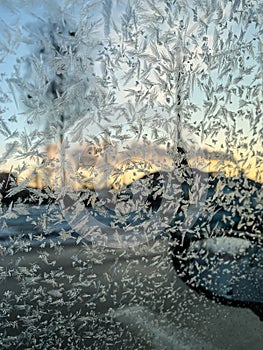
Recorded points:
(131, 174)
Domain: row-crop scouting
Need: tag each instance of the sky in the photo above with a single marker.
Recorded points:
(222, 110)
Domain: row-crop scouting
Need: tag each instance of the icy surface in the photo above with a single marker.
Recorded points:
(133, 130)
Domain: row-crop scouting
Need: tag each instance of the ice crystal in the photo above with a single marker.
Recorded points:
(131, 174)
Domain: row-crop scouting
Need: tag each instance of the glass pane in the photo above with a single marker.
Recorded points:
(131, 174)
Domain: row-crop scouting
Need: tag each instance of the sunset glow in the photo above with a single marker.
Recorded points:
(90, 170)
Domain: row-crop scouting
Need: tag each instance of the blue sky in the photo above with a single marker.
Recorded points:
(18, 14)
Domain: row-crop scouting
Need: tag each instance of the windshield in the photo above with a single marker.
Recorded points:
(131, 174)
